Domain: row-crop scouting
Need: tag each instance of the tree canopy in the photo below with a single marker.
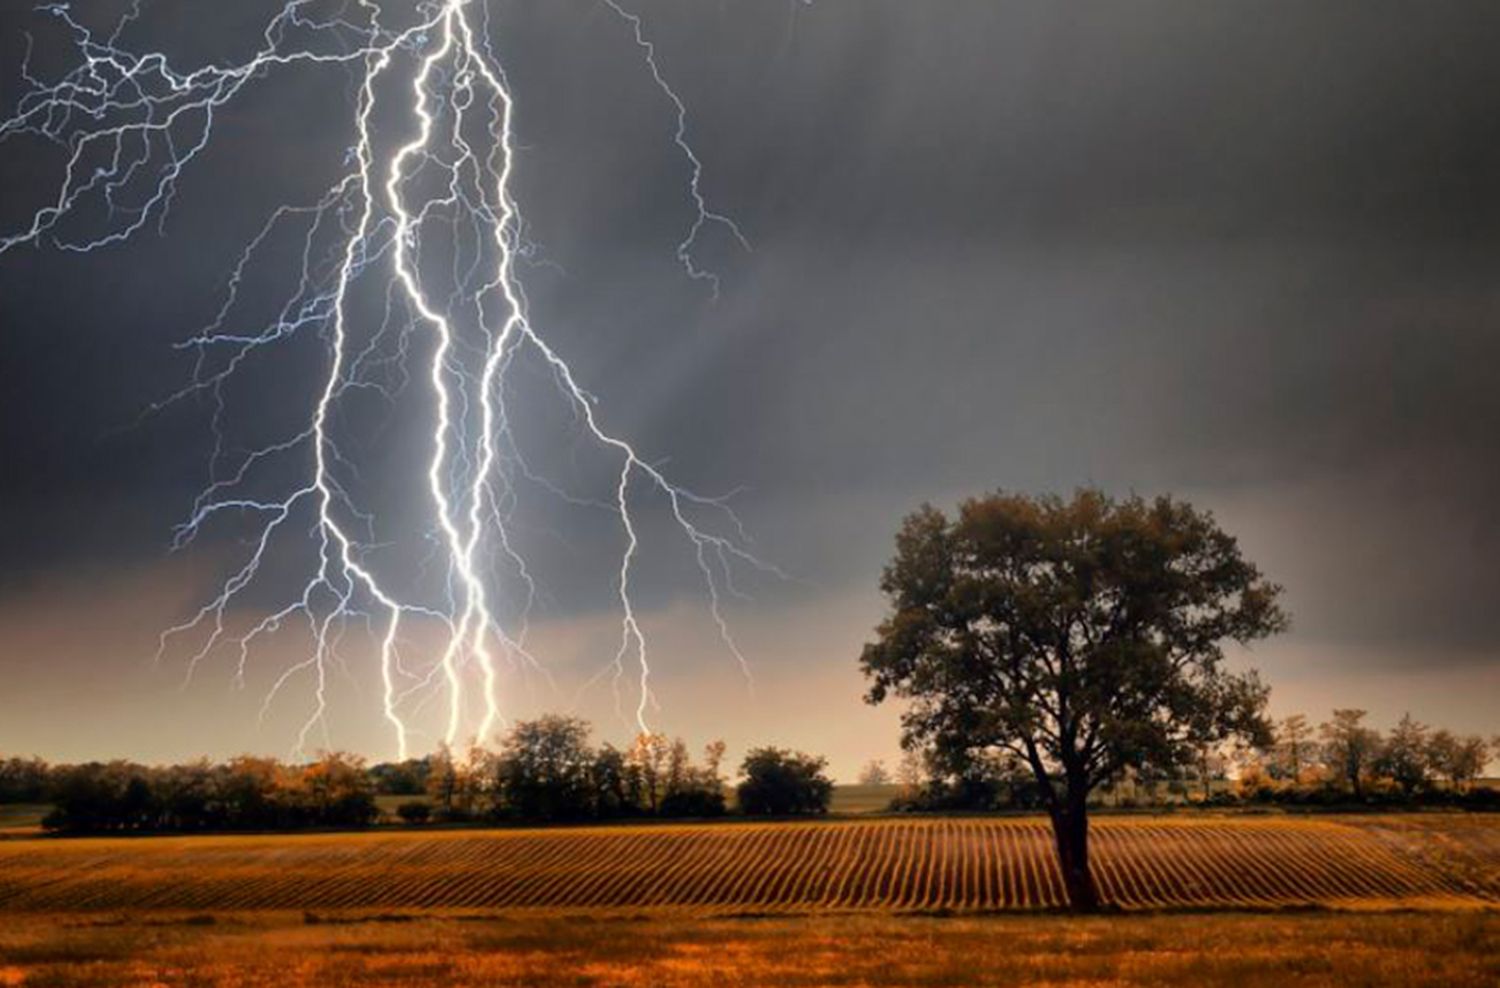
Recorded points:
(1083, 636)
(781, 782)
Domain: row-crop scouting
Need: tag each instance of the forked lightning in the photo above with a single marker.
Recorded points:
(131, 122)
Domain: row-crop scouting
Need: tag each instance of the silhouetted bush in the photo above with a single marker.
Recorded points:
(968, 784)
(697, 802)
(408, 778)
(24, 780)
(780, 782)
(414, 811)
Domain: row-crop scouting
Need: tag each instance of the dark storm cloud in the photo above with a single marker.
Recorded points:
(1245, 251)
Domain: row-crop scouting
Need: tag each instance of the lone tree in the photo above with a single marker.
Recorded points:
(1082, 636)
(874, 774)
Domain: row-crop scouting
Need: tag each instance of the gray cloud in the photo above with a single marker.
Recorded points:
(1242, 250)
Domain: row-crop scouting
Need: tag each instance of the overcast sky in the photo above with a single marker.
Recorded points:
(1242, 252)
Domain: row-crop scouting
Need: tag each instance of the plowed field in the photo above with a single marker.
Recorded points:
(904, 865)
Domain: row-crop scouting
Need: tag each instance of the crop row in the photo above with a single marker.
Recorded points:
(920, 865)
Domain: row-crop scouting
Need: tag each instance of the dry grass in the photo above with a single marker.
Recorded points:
(1451, 950)
(930, 865)
(647, 907)
(1466, 847)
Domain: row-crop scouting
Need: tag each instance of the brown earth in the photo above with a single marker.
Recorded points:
(959, 865)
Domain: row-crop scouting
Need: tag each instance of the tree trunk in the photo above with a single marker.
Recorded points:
(1070, 827)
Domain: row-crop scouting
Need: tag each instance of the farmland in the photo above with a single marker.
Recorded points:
(1209, 900)
(1226, 950)
(949, 865)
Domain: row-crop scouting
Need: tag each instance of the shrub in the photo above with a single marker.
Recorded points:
(781, 782)
(696, 802)
(414, 811)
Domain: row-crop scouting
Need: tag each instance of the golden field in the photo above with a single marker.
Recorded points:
(1240, 901)
(949, 865)
(1234, 950)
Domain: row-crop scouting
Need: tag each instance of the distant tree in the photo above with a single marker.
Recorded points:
(252, 793)
(1459, 760)
(954, 779)
(781, 782)
(414, 811)
(713, 759)
(1350, 748)
(874, 774)
(911, 773)
(135, 809)
(23, 780)
(1254, 778)
(479, 782)
(406, 778)
(443, 781)
(1468, 761)
(680, 773)
(648, 759)
(338, 791)
(186, 797)
(692, 791)
(1210, 764)
(613, 788)
(543, 769)
(1295, 749)
(99, 796)
(1084, 637)
(1404, 755)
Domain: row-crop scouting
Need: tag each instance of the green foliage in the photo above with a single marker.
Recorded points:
(1084, 637)
(781, 782)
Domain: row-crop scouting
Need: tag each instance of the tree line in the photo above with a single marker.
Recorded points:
(245, 793)
(1340, 762)
(1345, 757)
(549, 770)
(545, 770)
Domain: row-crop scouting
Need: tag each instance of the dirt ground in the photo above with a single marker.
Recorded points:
(1243, 950)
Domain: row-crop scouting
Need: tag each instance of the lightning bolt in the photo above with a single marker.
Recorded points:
(131, 122)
